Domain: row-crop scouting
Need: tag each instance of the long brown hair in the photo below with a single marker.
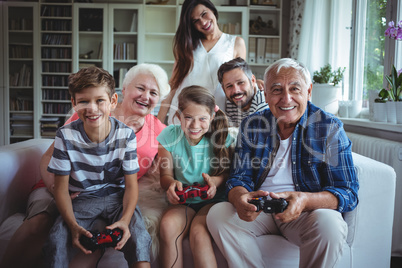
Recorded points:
(218, 131)
(186, 40)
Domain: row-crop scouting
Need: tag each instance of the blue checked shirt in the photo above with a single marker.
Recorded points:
(321, 155)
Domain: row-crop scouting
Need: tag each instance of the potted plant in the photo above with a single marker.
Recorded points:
(393, 96)
(380, 108)
(326, 88)
(394, 90)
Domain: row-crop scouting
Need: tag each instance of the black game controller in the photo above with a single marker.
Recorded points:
(269, 205)
(99, 240)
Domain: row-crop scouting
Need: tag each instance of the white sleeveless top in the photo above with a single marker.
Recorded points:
(205, 71)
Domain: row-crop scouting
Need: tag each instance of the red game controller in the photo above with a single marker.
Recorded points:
(192, 191)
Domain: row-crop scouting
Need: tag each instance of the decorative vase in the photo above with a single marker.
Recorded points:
(325, 96)
(398, 109)
(373, 94)
(344, 109)
(391, 112)
(355, 108)
(380, 112)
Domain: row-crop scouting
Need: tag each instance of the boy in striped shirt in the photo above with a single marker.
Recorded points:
(96, 156)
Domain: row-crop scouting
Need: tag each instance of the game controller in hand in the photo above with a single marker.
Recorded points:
(192, 191)
(99, 240)
(269, 205)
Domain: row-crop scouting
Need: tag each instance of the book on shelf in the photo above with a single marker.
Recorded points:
(230, 28)
(268, 51)
(131, 51)
(124, 51)
(44, 9)
(260, 50)
(21, 78)
(21, 103)
(275, 49)
(85, 65)
(26, 124)
(100, 51)
(49, 119)
(122, 74)
(16, 130)
(21, 51)
(133, 27)
(49, 126)
(22, 117)
(252, 49)
(21, 124)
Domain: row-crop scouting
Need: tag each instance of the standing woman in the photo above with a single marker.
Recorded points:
(199, 48)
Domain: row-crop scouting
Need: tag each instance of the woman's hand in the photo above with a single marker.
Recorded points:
(260, 84)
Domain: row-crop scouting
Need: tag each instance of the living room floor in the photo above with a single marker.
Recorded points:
(396, 262)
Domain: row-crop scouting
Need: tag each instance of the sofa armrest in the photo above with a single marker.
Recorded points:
(370, 223)
(20, 162)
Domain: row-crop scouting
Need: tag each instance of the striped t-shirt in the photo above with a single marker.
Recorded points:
(236, 114)
(95, 168)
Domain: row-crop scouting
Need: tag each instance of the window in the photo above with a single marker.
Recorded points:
(350, 33)
(372, 54)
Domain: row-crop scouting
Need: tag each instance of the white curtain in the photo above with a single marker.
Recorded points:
(325, 34)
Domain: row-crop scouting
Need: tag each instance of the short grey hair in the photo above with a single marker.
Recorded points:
(156, 71)
(289, 63)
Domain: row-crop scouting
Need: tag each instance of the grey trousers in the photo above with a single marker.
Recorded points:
(320, 235)
(58, 249)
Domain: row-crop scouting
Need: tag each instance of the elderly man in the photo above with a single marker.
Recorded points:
(240, 86)
(295, 151)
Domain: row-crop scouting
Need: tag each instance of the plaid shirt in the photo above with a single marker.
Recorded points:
(321, 155)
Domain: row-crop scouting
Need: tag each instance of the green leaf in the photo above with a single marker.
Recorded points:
(383, 94)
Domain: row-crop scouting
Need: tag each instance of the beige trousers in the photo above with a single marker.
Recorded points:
(320, 235)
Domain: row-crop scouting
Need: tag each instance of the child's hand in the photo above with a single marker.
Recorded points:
(126, 233)
(171, 192)
(211, 183)
(76, 233)
(74, 195)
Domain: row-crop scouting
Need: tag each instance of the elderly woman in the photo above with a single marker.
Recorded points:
(143, 87)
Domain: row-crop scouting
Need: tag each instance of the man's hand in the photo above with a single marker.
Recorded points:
(126, 233)
(240, 198)
(296, 205)
(304, 201)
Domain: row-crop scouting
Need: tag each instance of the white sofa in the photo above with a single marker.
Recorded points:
(370, 224)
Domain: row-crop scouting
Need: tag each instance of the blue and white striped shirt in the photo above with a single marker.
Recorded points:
(321, 155)
(95, 168)
(236, 114)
